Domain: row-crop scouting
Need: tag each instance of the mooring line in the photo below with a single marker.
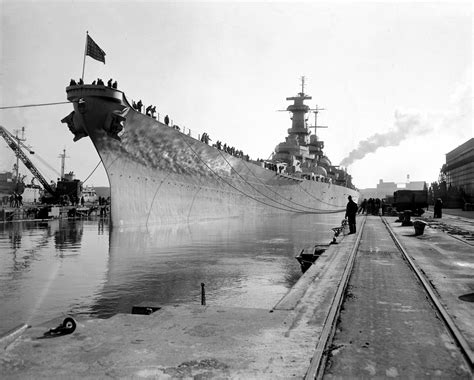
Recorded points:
(312, 196)
(33, 105)
(308, 209)
(249, 196)
(154, 196)
(92, 172)
(289, 200)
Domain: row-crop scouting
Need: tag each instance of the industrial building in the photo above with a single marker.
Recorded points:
(459, 169)
(386, 189)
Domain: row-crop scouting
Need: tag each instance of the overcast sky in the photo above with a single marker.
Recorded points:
(395, 74)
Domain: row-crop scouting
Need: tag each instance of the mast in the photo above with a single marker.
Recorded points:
(17, 152)
(63, 161)
(299, 111)
(315, 111)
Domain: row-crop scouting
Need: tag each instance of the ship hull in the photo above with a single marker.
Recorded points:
(159, 175)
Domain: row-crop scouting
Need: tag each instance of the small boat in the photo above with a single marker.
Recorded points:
(89, 194)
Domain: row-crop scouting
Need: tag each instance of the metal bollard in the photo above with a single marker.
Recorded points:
(203, 294)
(419, 227)
(406, 221)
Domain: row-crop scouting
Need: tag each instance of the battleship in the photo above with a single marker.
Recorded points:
(159, 175)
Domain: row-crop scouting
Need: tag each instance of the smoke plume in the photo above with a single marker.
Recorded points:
(414, 124)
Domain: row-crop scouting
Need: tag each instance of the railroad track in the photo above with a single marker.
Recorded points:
(448, 321)
(464, 233)
(316, 368)
(322, 352)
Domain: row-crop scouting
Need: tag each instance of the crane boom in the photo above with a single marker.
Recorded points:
(26, 161)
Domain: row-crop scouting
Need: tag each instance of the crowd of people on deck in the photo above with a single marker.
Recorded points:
(151, 111)
(137, 106)
(98, 82)
(229, 149)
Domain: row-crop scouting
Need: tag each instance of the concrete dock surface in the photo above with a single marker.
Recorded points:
(388, 327)
(194, 341)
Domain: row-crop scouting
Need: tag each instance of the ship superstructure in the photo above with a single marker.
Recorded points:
(301, 153)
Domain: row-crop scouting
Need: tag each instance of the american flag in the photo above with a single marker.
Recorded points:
(94, 51)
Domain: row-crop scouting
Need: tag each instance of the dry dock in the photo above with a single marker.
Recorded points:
(358, 312)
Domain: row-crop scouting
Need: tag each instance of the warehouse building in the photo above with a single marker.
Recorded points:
(459, 168)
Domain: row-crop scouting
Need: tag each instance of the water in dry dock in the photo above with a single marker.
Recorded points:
(83, 267)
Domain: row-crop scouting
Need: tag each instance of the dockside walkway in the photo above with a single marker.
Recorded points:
(386, 327)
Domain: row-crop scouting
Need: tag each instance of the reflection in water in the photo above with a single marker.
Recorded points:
(49, 270)
(81, 267)
(247, 263)
(22, 258)
(68, 236)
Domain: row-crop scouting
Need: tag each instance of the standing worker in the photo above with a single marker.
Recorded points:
(362, 207)
(351, 211)
(437, 208)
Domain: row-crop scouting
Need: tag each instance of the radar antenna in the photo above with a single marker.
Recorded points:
(315, 111)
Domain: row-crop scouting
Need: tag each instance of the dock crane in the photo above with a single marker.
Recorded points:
(15, 146)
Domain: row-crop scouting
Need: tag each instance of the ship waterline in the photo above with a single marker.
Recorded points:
(159, 175)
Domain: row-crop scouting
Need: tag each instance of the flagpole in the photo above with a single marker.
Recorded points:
(85, 53)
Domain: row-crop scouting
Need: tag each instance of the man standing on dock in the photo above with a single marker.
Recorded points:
(351, 211)
(438, 206)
